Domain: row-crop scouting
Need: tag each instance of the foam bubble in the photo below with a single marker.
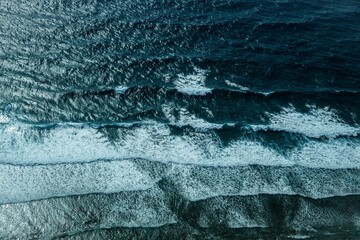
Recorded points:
(238, 86)
(192, 84)
(25, 183)
(318, 122)
(330, 154)
(24, 144)
(121, 89)
(299, 236)
(198, 182)
(75, 214)
(4, 119)
(31, 182)
(182, 117)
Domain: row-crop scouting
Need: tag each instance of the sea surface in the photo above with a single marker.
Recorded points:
(179, 119)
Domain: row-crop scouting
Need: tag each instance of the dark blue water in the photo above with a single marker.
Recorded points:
(158, 119)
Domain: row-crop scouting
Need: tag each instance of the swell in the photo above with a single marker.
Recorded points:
(146, 103)
(309, 94)
(104, 45)
(63, 75)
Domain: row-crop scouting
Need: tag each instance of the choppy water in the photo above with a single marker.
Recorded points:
(158, 119)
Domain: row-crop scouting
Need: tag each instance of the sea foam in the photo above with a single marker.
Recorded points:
(316, 123)
(25, 144)
(193, 84)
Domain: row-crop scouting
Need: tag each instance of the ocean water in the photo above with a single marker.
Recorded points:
(183, 119)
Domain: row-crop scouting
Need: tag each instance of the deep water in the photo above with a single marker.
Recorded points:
(183, 119)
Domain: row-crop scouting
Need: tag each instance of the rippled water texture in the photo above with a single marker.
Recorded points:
(160, 119)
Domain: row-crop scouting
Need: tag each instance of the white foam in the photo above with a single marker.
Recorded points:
(330, 154)
(182, 117)
(4, 119)
(73, 214)
(158, 144)
(34, 182)
(22, 144)
(121, 89)
(238, 86)
(318, 122)
(192, 84)
(25, 145)
(25, 183)
(197, 182)
(299, 236)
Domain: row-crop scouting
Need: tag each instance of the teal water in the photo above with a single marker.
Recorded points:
(223, 119)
